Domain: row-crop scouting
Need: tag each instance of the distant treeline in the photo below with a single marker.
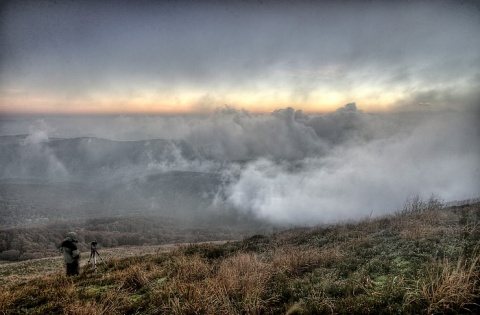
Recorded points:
(23, 243)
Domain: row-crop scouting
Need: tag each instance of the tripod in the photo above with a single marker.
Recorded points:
(93, 254)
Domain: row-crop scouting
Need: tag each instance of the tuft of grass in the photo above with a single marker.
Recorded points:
(416, 204)
(448, 286)
(294, 261)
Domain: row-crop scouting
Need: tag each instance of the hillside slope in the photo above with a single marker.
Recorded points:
(422, 260)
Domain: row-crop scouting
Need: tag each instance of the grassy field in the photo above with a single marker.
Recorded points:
(423, 259)
(24, 271)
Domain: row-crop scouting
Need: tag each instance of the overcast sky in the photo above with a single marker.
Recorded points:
(176, 57)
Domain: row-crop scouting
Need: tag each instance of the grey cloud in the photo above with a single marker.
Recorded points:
(238, 135)
(73, 47)
(206, 103)
(440, 156)
(33, 158)
(285, 167)
(345, 122)
(440, 99)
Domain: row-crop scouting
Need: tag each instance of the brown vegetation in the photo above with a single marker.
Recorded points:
(420, 261)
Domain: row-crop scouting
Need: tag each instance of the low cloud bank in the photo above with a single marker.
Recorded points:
(373, 178)
(285, 167)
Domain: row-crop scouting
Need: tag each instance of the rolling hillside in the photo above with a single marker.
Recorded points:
(422, 260)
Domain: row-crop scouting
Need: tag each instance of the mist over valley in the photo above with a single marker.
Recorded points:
(284, 168)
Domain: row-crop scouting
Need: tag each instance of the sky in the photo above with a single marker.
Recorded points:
(175, 57)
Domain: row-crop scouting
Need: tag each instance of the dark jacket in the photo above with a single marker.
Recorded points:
(70, 251)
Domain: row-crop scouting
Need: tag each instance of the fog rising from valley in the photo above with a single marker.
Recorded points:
(286, 167)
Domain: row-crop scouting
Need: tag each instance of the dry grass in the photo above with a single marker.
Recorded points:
(420, 261)
(448, 286)
(241, 283)
(189, 268)
(294, 261)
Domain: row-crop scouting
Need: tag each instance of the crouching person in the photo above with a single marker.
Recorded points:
(71, 254)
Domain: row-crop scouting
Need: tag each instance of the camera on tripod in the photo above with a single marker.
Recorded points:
(93, 255)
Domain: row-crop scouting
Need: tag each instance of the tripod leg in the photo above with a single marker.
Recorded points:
(88, 262)
(101, 258)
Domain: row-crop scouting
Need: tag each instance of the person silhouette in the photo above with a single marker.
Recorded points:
(71, 254)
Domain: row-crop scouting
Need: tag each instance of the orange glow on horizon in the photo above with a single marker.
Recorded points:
(188, 103)
(176, 110)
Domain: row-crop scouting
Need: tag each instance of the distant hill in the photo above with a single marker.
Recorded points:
(85, 159)
(51, 179)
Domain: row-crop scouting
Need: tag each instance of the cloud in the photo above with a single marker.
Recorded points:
(345, 123)
(441, 99)
(206, 103)
(35, 159)
(440, 156)
(284, 167)
(81, 52)
(231, 135)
